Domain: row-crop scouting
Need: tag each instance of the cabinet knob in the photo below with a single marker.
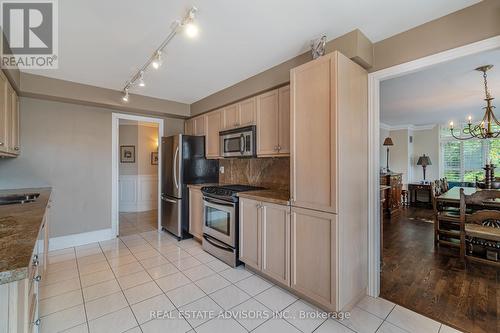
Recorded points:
(37, 278)
(1, 143)
(16, 148)
(37, 322)
(279, 148)
(275, 147)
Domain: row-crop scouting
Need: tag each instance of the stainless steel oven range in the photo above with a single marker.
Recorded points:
(221, 221)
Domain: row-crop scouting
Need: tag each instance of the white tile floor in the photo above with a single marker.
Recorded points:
(116, 286)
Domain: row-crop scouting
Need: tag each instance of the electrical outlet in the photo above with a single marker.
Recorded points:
(221, 169)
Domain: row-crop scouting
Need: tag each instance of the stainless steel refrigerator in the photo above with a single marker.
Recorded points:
(183, 163)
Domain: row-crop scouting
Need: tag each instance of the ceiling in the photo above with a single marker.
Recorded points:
(448, 92)
(102, 43)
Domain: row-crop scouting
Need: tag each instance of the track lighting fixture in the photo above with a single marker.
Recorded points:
(156, 63)
(125, 96)
(190, 28)
(141, 80)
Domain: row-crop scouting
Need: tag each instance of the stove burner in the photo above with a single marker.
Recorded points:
(227, 192)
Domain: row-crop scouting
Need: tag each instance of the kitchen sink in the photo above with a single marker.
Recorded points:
(13, 199)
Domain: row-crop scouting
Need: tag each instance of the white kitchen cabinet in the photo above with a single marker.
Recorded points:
(9, 119)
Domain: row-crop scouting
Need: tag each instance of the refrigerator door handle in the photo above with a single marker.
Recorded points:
(167, 200)
(176, 155)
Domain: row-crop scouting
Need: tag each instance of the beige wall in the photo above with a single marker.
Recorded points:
(399, 155)
(463, 27)
(425, 142)
(145, 140)
(68, 147)
(128, 137)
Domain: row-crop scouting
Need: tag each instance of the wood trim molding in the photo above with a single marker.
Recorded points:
(374, 80)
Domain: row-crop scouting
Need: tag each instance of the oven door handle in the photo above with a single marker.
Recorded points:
(218, 202)
(217, 243)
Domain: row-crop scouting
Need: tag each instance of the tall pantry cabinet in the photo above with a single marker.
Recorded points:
(329, 170)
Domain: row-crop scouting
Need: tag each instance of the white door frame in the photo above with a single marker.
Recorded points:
(374, 80)
(115, 153)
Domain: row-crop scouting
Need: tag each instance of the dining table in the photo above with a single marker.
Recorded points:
(452, 196)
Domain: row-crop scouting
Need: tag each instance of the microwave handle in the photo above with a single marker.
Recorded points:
(242, 144)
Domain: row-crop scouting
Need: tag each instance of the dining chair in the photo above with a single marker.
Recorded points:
(446, 219)
(479, 230)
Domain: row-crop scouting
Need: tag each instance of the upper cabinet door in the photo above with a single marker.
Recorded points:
(14, 134)
(189, 127)
(199, 125)
(212, 128)
(9, 107)
(284, 120)
(248, 112)
(231, 116)
(4, 110)
(267, 123)
(313, 135)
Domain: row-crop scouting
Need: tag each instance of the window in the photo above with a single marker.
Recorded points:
(463, 161)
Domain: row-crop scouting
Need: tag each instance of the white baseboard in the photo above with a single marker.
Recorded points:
(62, 242)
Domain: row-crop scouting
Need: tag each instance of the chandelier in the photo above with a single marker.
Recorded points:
(483, 130)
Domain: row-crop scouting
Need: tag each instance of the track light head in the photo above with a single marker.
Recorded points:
(125, 95)
(141, 79)
(156, 63)
(191, 30)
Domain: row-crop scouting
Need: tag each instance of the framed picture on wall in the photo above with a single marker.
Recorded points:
(154, 158)
(127, 154)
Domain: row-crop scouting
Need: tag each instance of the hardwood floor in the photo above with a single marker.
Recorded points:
(137, 222)
(436, 282)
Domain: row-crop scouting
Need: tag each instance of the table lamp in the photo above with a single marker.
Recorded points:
(388, 142)
(424, 161)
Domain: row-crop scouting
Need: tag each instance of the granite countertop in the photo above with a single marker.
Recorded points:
(19, 228)
(199, 186)
(272, 196)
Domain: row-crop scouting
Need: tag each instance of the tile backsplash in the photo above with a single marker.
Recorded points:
(271, 173)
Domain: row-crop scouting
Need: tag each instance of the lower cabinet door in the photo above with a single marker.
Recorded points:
(276, 242)
(250, 252)
(195, 213)
(314, 255)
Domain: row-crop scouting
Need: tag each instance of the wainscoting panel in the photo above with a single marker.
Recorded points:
(138, 193)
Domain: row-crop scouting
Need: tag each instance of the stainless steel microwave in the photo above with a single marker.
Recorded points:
(239, 142)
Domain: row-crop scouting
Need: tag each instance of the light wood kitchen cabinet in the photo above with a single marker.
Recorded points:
(19, 300)
(240, 114)
(4, 115)
(273, 122)
(284, 121)
(196, 213)
(329, 159)
(265, 238)
(267, 123)
(248, 112)
(231, 116)
(213, 123)
(276, 241)
(199, 125)
(250, 220)
(189, 127)
(9, 119)
(314, 255)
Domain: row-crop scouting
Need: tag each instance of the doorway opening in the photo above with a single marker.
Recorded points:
(409, 115)
(136, 174)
